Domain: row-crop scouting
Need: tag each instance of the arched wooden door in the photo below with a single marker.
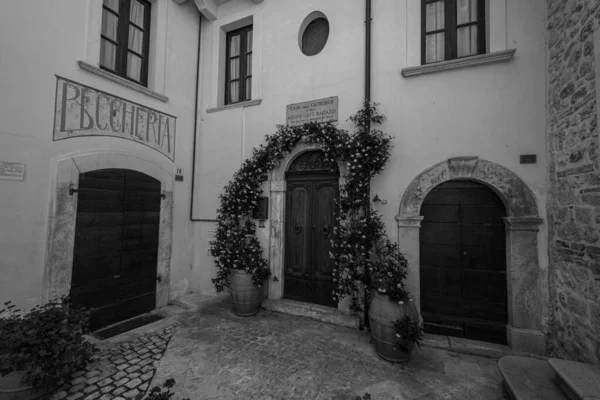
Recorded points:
(312, 189)
(463, 262)
(116, 244)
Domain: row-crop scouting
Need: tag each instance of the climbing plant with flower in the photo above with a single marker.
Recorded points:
(360, 246)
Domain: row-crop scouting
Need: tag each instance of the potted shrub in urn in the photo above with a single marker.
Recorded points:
(393, 316)
(240, 264)
(39, 350)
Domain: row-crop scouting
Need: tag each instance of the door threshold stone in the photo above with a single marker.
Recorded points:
(474, 347)
(314, 311)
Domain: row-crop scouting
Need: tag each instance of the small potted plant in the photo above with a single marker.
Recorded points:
(40, 349)
(392, 311)
(240, 264)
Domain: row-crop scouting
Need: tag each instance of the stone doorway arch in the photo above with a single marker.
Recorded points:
(524, 330)
(65, 174)
(277, 194)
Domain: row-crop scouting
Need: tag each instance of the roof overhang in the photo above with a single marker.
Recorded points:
(209, 8)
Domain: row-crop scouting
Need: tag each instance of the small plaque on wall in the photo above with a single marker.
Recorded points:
(12, 171)
(528, 159)
(262, 209)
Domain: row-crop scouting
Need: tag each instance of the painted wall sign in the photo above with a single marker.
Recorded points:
(84, 111)
(12, 171)
(321, 110)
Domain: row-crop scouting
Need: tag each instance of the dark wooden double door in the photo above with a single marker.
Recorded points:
(310, 220)
(116, 244)
(463, 262)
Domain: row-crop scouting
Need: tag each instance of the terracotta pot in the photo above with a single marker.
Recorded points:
(11, 388)
(382, 315)
(247, 298)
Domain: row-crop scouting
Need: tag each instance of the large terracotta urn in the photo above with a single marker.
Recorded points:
(12, 388)
(382, 315)
(247, 298)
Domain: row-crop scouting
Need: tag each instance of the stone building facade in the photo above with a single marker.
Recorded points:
(574, 178)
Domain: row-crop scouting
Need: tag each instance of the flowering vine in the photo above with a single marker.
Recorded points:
(361, 247)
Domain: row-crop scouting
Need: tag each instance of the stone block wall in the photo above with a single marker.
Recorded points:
(574, 180)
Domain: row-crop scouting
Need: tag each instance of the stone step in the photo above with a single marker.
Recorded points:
(578, 381)
(529, 379)
(314, 311)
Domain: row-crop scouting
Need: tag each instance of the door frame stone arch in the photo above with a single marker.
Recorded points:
(524, 279)
(277, 194)
(63, 212)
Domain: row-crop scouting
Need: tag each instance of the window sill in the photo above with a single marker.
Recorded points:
(482, 59)
(248, 103)
(115, 78)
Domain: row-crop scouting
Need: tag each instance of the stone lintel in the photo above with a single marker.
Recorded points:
(527, 340)
(278, 186)
(409, 222)
(523, 223)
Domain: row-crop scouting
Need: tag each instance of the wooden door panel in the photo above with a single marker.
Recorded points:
(482, 235)
(441, 255)
(484, 285)
(135, 306)
(438, 196)
(116, 251)
(449, 306)
(443, 325)
(441, 281)
(97, 219)
(482, 214)
(95, 267)
(463, 262)
(447, 213)
(486, 331)
(440, 233)
(483, 258)
(141, 217)
(324, 201)
(98, 293)
(479, 195)
(100, 206)
(485, 311)
(298, 230)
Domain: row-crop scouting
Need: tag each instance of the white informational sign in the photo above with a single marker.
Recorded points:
(321, 110)
(84, 111)
(12, 171)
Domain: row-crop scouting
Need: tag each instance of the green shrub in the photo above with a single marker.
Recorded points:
(47, 342)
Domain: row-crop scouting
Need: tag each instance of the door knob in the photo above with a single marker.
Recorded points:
(297, 229)
(325, 229)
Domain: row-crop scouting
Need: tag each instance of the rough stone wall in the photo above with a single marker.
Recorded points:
(574, 177)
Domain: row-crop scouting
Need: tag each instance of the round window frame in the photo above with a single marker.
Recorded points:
(305, 23)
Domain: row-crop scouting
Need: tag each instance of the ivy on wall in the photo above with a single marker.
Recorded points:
(360, 243)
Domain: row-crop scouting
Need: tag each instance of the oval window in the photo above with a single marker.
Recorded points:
(315, 36)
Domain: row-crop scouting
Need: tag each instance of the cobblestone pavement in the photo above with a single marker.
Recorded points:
(216, 355)
(119, 370)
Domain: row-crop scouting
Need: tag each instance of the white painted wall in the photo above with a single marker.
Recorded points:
(41, 39)
(495, 112)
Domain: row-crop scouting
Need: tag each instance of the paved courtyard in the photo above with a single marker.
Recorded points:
(213, 354)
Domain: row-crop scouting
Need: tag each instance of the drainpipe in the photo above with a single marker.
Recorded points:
(196, 118)
(367, 98)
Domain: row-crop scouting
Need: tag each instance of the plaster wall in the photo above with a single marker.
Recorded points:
(39, 40)
(495, 112)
